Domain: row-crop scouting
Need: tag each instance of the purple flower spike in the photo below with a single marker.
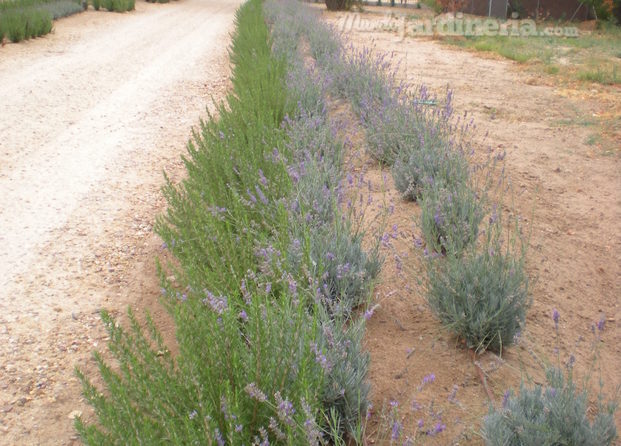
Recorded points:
(396, 431)
(555, 317)
(505, 399)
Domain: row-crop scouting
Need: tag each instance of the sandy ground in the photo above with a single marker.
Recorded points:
(91, 115)
(571, 187)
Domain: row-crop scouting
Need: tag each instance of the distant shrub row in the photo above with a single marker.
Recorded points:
(25, 19)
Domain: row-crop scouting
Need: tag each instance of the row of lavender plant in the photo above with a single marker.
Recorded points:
(264, 275)
(345, 272)
(477, 284)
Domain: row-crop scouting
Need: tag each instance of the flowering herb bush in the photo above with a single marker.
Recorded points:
(481, 294)
(550, 415)
(554, 413)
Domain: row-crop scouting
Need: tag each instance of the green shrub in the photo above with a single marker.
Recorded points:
(554, 414)
(481, 295)
(239, 366)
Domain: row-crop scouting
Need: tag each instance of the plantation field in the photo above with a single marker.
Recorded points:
(338, 255)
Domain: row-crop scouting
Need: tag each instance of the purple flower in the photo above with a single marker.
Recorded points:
(439, 427)
(555, 317)
(268, 287)
(193, 415)
(217, 304)
(429, 378)
(420, 423)
(601, 324)
(218, 437)
(438, 218)
(293, 287)
(320, 358)
(396, 431)
(368, 314)
(262, 178)
(261, 195)
(285, 409)
(505, 399)
(252, 197)
(243, 316)
(255, 393)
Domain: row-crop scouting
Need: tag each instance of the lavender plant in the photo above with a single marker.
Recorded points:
(244, 371)
(345, 390)
(549, 415)
(481, 295)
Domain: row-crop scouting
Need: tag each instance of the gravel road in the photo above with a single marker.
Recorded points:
(90, 115)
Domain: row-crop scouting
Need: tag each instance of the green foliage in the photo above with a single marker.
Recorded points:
(339, 5)
(25, 19)
(115, 5)
(481, 295)
(554, 414)
(227, 387)
(21, 24)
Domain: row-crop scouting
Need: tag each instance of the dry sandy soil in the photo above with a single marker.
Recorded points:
(91, 115)
(572, 189)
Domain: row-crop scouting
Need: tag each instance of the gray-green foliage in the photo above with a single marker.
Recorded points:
(481, 294)
(550, 415)
(345, 389)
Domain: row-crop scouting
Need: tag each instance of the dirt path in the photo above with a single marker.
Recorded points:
(573, 188)
(91, 115)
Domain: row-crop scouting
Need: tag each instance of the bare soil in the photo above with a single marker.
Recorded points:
(568, 194)
(91, 116)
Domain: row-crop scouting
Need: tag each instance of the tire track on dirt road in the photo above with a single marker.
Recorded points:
(91, 114)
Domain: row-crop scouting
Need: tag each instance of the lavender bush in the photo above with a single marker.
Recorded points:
(554, 414)
(481, 295)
